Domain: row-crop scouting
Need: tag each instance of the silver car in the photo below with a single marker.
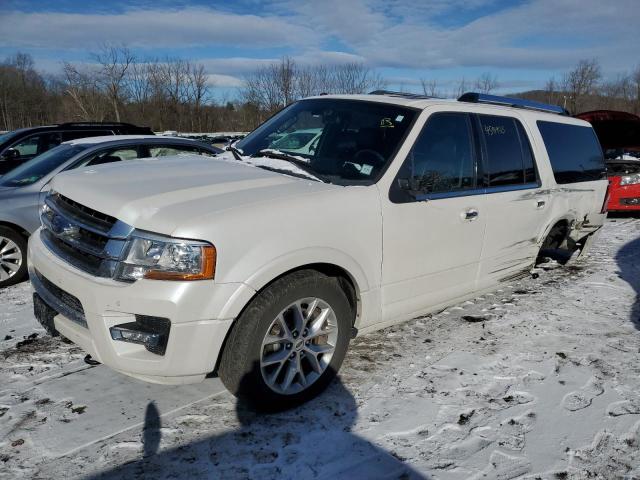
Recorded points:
(22, 189)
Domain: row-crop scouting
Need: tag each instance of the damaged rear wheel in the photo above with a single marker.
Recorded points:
(558, 245)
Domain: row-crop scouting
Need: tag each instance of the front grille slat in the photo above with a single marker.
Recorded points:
(85, 214)
(87, 239)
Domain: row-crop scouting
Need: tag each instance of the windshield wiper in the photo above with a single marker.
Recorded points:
(304, 176)
(301, 164)
(237, 153)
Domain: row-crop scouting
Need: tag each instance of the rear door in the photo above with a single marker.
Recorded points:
(516, 207)
(432, 234)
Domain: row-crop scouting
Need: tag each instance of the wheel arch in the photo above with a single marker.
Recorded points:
(559, 222)
(13, 226)
(346, 280)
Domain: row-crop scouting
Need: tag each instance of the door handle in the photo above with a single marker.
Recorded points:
(540, 204)
(471, 214)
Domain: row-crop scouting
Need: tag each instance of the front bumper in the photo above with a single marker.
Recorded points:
(199, 311)
(623, 198)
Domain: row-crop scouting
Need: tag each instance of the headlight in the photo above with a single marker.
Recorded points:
(162, 258)
(630, 179)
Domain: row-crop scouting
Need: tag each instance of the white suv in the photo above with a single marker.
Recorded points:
(262, 266)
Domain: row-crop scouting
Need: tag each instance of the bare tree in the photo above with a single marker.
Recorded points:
(23, 92)
(429, 87)
(551, 90)
(486, 83)
(82, 86)
(139, 85)
(355, 78)
(271, 87)
(197, 90)
(635, 81)
(581, 82)
(461, 88)
(114, 63)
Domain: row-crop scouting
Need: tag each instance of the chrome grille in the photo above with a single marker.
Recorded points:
(87, 239)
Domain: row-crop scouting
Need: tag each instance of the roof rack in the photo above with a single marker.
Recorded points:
(95, 124)
(400, 94)
(473, 97)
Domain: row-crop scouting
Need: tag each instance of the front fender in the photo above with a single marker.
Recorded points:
(309, 256)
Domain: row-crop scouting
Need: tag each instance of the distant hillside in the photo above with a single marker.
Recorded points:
(587, 102)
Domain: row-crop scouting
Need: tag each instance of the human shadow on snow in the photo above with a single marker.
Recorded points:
(628, 260)
(313, 441)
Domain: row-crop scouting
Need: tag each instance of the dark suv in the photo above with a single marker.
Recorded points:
(18, 146)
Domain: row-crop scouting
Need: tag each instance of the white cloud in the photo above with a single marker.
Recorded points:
(216, 80)
(541, 34)
(545, 35)
(150, 29)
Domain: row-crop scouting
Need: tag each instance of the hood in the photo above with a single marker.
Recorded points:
(6, 189)
(159, 196)
(615, 130)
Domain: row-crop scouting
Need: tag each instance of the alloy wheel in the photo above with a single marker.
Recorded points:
(298, 345)
(10, 258)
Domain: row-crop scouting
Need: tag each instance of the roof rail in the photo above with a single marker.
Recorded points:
(474, 97)
(96, 124)
(400, 94)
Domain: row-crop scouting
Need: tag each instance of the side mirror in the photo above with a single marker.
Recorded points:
(412, 187)
(10, 154)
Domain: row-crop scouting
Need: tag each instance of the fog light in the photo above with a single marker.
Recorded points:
(152, 332)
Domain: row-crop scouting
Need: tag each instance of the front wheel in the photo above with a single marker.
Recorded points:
(13, 257)
(289, 343)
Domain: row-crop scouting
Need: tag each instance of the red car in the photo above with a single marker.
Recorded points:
(619, 135)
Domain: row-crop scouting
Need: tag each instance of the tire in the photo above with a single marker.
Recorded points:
(243, 366)
(13, 257)
(557, 245)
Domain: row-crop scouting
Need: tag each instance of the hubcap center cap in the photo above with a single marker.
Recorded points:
(299, 345)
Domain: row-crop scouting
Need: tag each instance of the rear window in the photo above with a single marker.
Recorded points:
(574, 152)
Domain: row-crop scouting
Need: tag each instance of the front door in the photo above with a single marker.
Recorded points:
(433, 222)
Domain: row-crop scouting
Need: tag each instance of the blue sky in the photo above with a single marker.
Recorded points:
(523, 43)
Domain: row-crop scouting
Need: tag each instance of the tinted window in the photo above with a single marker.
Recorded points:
(28, 147)
(36, 168)
(574, 152)
(442, 159)
(166, 150)
(505, 163)
(530, 174)
(109, 156)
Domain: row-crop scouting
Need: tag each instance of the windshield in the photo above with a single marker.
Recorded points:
(348, 142)
(36, 168)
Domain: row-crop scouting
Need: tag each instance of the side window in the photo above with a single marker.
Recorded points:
(37, 144)
(166, 150)
(28, 147)
(442, 158)
(51, 140)
(530, 173)
(505, 163)
(109, 156)
(574, 152)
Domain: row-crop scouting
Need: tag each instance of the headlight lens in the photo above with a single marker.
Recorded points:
(159, 258)
(630, 179)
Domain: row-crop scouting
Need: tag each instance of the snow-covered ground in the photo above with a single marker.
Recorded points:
(539, 380)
